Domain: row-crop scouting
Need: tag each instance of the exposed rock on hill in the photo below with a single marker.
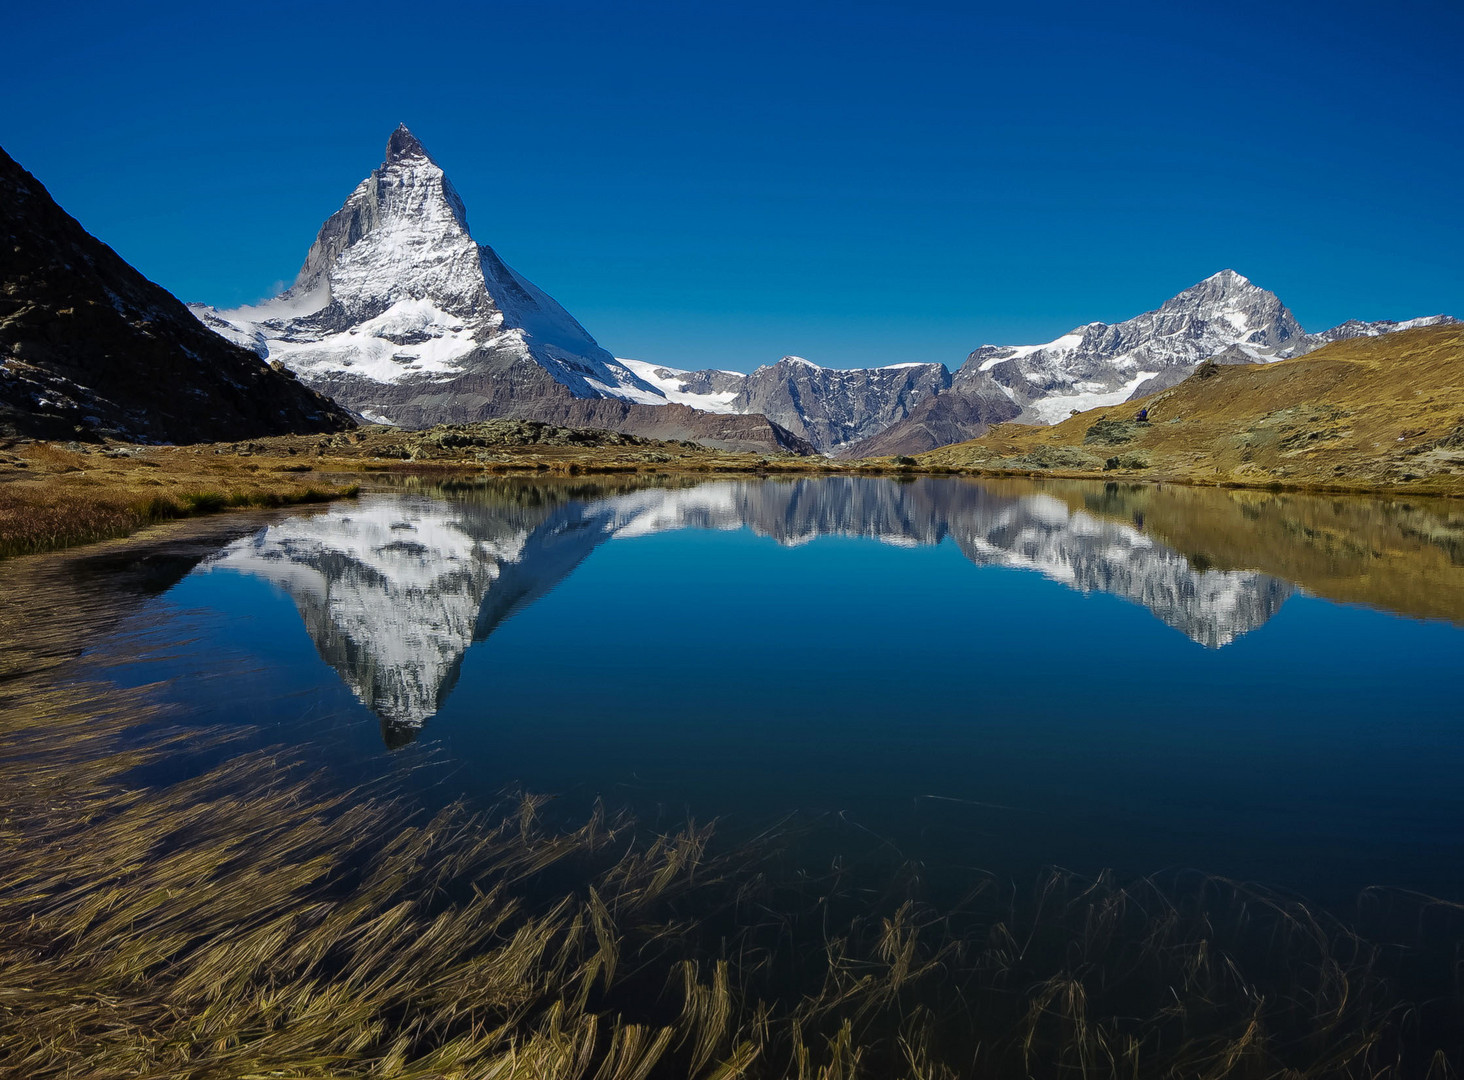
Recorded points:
(89, 348)
(941, 420)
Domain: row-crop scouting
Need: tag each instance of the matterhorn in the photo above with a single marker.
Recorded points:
(400, 315)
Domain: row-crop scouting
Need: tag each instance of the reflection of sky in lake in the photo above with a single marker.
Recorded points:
(748, 649)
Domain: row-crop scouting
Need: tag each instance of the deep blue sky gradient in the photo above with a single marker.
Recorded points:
(719, 185)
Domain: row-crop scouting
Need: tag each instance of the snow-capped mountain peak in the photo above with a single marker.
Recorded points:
(395, 294)
(1101, 364)
(786, 361)
(1228, 301)
(401, 235)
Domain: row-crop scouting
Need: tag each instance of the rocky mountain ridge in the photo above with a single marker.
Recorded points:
(91, 349)
(1226, 318)
(398, 313)
(829, 407)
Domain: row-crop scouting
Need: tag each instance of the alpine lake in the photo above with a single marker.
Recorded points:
(1000, 777)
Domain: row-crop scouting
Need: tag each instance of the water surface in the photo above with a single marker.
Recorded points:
(986, 675)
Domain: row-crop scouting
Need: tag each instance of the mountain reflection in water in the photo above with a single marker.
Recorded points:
(395, 588)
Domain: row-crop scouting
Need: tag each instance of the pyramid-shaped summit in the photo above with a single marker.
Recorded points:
(399, 314)
(403, 144)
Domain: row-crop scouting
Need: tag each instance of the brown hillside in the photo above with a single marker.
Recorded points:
(1369, 413)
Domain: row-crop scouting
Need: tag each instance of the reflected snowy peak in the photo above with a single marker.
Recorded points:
(394, 589)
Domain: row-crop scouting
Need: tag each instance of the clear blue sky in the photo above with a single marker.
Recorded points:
(719, 185)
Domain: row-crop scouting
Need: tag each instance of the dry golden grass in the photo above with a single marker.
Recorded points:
(51, 497)
(1371, 414)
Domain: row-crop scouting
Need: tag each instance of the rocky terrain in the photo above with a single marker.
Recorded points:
(829, 407)
(1225, 318)
(90, 349)
(401, 315)
(1362, 413)
(950, 417)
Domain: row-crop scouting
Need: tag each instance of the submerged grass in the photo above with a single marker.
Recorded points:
(247, 922)
(254, 920)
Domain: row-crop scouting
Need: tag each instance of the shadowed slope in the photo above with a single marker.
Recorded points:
(90, 348)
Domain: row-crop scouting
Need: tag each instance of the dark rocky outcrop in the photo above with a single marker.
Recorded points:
(833, 408)
(89, 348)
(965, 410)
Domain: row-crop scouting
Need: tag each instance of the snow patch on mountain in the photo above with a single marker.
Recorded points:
(1084, 396)
(677, 386)
(1099, 364)
(395, 291)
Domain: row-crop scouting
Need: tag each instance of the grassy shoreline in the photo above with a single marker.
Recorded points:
(54, 497)
(1422, 489)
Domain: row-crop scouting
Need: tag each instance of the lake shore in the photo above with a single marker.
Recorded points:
(54, 496)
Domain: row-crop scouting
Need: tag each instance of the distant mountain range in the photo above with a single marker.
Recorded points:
(911, 408)
(89, 348)
(401, 315)
(1225, 318)
(395, 589)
